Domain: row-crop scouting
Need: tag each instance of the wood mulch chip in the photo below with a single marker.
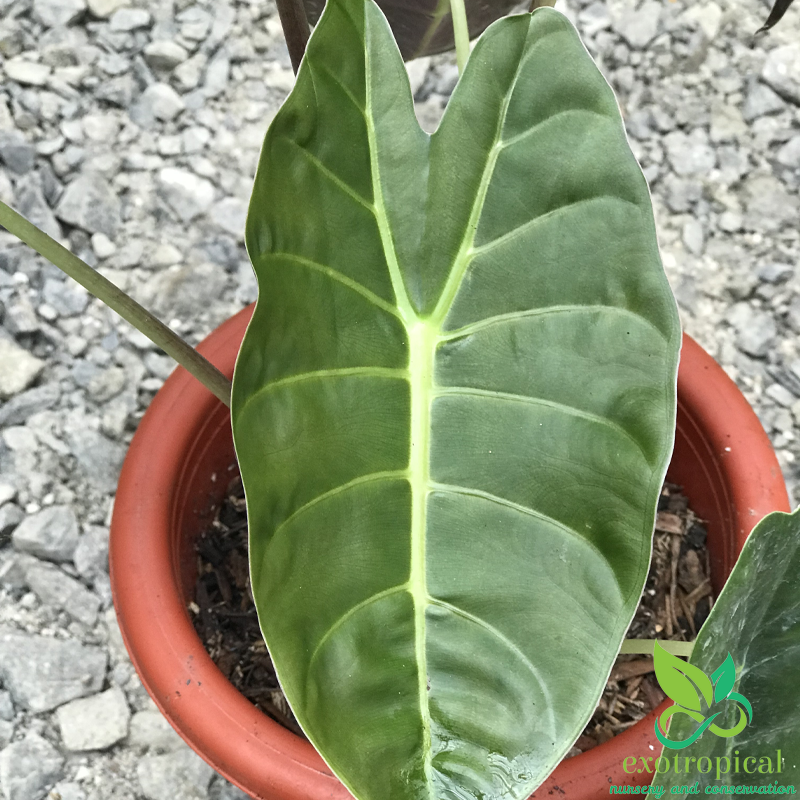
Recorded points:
(676, 600)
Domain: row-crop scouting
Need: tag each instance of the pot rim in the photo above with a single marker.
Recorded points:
(239, 741)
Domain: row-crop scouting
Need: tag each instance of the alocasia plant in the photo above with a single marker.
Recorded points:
(454, 406)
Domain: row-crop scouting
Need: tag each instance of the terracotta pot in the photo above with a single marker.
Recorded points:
(177, 470)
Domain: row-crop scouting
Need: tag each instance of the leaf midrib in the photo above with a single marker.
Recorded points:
(421, 350)
(423, 340)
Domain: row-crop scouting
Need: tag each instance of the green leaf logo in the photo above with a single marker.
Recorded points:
(724, 677)
(687, 686)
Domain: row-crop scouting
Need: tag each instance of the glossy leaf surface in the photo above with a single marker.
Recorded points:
(454, 405)
(424, 27)
(757, 620)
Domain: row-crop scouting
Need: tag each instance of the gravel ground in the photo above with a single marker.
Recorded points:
(132, 132)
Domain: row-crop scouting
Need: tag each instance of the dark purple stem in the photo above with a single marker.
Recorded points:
(295, 29)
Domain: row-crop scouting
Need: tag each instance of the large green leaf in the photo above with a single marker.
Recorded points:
(454, 405)
(754, 625)
(423, 27)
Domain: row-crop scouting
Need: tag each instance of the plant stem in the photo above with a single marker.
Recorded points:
(461, 32)
(541, 3)
(295, 29)
(645, 647)
(118, 301)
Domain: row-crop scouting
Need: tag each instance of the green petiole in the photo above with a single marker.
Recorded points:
(118, 301)
(461, 32)
(645, 647)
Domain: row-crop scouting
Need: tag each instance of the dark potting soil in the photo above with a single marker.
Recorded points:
(676, 600)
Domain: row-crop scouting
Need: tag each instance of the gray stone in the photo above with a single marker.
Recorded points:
(220, 789)
(223, 19)
(28, 73)
(187, 194)
(760, 101)
(165, 55)
(102, 246)
(730, 221)
(733, 164)
(89, 203)
(58, 13)
(690, 154)
(12, 571)
(66, 296)
(775, 273)
(195, 139)
(758, 336)
(118, 91)
(230, 214)
(641, 26)
(16, 153)
(130, 19)
(32, 204)
(43, 673)
(106, 384)
(100, 127)
(102, 588)
(187, 75)
(181, 775)
(105, 8)
(221, 250)
(417, 71)
(158, 102)
(67, 790)
(693, 237)
(178, 291)
(6, 706)
(789, 154)
(708, 17)
(639, 124)
(130, 254)
(794, 372)
(769, 205)
(681, 194)
(58, 590)
(7, 490)
(94, 723)
(151, 729)
(741, 314)
(217, 74)
(51, 534)
(20, 318)
(29, 768)
(10, 517)
(18, 368)
(782, 71)
(195, 23)
(6, 734)
(91, 554)
(16, 410)
(114, 64)
(781, 395)
(99, 458)
(727, 123)
(594, 18)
